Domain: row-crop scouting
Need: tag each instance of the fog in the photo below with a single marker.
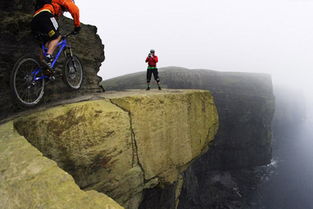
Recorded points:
(290, 185)
(265, 36)
(270, 36)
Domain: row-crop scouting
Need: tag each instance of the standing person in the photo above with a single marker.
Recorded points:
(45, 27)
(152, 60)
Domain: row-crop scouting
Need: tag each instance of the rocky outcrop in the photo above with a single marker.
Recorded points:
(16, 40)
(29, 180)
(16, 5)
(127, 143)
(245, 103)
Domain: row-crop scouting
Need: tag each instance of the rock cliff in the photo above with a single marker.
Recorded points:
(141, 149)
(245, 104)
(16, 40)
(224, 176)
(121, 145)
(29, 180)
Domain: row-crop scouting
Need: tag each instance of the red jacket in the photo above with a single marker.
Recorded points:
(152, 61)
(57, 7)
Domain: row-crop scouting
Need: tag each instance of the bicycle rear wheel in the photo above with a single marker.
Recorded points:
(73, 72)
(27, 82)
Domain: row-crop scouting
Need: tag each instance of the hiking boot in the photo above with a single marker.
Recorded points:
(148, 88)
(159, 87)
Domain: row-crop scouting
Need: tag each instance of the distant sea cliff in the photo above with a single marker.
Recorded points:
(245, 105)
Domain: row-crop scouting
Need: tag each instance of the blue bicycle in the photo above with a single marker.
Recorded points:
(28, 76)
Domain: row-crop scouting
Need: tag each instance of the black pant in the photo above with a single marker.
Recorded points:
(155, 75)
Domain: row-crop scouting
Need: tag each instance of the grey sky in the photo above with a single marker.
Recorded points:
(271, 36)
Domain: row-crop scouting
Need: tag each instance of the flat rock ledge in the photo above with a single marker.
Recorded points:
(118, 143)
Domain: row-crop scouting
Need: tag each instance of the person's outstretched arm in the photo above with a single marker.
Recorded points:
(73, 9)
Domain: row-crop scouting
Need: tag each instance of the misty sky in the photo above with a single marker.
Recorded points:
(271, 36)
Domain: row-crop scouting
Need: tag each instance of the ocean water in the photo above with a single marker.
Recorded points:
(288, 182)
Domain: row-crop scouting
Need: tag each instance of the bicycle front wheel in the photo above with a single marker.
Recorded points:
(73, 72)
(27, 81)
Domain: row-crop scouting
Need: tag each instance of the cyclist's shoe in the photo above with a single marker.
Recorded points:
(148, 88)
(47, 65)
(159, 87)
(47, 61)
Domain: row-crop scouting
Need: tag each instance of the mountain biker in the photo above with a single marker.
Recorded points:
(45, 27)
(152, 60)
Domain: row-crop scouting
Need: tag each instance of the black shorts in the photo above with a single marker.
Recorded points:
(45, 27)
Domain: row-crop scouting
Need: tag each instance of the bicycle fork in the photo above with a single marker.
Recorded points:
(68, 52)
(72, 66)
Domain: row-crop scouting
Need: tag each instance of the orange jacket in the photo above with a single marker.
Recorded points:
(57, 7)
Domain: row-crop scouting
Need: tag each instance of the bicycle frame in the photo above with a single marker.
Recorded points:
(61, 45)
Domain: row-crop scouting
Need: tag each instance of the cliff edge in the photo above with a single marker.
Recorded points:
(225, 176)
(119, 145)
(245, 105)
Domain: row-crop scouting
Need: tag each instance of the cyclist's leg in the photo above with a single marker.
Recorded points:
(54, 35)
(46, 24)
(52, 45)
